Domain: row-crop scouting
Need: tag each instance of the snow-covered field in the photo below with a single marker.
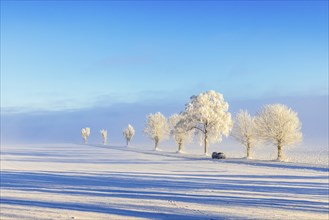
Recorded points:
(69, 181)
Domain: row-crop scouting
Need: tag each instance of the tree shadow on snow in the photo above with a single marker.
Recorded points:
(251, 191)
(98, 209)
(276, 164)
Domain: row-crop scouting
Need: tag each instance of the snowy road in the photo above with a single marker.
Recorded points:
(70, 181)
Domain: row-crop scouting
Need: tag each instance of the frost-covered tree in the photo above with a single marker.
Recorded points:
(179, 132)
(128, 133)
(279, 125)
(157, 128)
(85, 132)
(208, 114)
(244, 130)
(104, 135)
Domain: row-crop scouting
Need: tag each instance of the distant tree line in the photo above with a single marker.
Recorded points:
(128, 133)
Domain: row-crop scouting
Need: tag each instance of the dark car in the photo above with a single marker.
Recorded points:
(219, 155)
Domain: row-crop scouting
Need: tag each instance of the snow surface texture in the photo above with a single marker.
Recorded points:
(68, 181)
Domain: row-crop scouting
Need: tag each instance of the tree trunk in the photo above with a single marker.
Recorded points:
(280, 153)
(156, 144)
(248, 151)
(127, 142)
(205, 143)
(180, 147)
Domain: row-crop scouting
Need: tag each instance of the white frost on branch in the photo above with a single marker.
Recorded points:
(208, 114)
(156, 128)
(179, 132)
(279, 125)
(244, 130)
(104, 135)
(128, 133)
(85, 132)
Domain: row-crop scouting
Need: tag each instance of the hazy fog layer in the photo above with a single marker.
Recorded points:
(65, 126)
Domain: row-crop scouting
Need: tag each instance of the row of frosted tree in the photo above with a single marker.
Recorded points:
(207, 116)
(128, 133)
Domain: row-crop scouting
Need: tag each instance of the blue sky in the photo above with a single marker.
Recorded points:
(60, 55)
(104, 64)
